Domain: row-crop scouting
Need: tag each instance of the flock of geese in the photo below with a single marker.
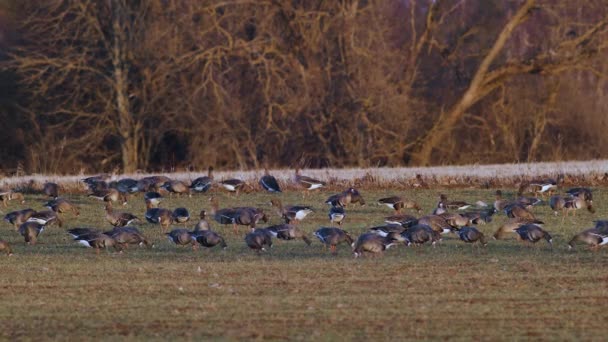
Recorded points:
(456, 217)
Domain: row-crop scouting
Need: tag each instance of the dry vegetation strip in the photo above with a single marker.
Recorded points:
(60, 290)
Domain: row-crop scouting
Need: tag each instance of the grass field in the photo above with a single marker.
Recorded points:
(61, 290)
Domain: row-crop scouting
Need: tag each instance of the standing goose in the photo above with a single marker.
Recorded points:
(397, 203)
(337, 215)
(94, 239)
(108, 195)
(592, 237)
(181, 215)
(234, 185)
(481, 216)
(203, 184)
(343, 199)
(456, 220)
(182, 237)
(445, 204)
(308, 183)
(152, 183)
(118, 218)
(51, 190)
(500, 203)
(245, 216)
(332, 237)
(371, 243)
(287, 232)
(585, 193)
(45, 217)
(258, 240)
(11, 196)
(161, 216)
(125, 236)
(206, 237)
(472, 235)
(202, 223)
(420, 234)
(5, 247)
(436, 223)
(528, 202)
(30, 231)
(16, 218)
(269, 183)
(292, 213)
(578, 202)
(176, 187)
(62, 206)
(533, 233)
(518, 211)
(511, 225)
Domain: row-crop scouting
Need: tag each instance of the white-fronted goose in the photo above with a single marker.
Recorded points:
(30, 231)
(481, 216)
(291, 213)
(387, 229)
(528, 202)
(500, 203)
(152, 183)
(578, 202)
(245, 216)
(108, 195)
(420, 234)
(45, 217)
(308, 183)
(455, 220)
(516, 210)
(181, 215)
(206, 237)
(437, 223)
(202, 223)
(125, 185)
(446, 204)
(119, 218)
(404, 220)
(11, 196)
(234, 185)
(62, 206)
(583, 192)
(176, 187)
(511, 225)
(372, 244)
(152, 199)
(258, 240)
(332, 237)
(5, 247)
(593, 237)
(397, 203)
(125, 236)
(540, 186)
(287, 232)
(343, 199)
(161, 216)
(269, 183)
(203, 184)
(16, 218)
(471, 235)
(337, 215)
(182, 237)
(93, 238)
(51, 189)
(533, 233)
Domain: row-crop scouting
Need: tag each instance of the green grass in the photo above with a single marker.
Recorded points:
(507, 291)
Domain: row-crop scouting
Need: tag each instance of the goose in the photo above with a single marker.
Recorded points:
(419, 182)
(437, 223)
(445, 204)
(234, 185)
(372, 244)
(592, 237)
(246, 216)
(118, 218)
(601, 226)
(45, 217)
(293, 213)
(533, 233)
(108, 195)
(181, 215)
(397, 203)
(511, 225)
(581, 192)
(176, 187)
(387, 229)
(16, 218)
(202, 224)
(125, 236)
(11, 196)
(152, 183)
(5, 247)
(125, 186)
(308, 183)
(578, 202)
(258, 240)
(500, 203)
(182, 237)
(557, 203)
(528, 202)
(94, 239)
(287, 232)
(30, 231)
(518, 211)
(152, 199)
(206, 237)
(337, 215)
(480, 217)
(203, 184)
(269, 183)
(343, 199)
(404, 220)
(541, 186)
(455, 220)
(472, 235)
(61, 206)
(332, 237)
(161, 216)
(96, 179)
(51, 190)
(420, 234)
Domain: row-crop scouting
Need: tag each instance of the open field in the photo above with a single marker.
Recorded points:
(60, 290)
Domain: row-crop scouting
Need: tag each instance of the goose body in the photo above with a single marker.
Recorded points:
(371, 243)
(593, 237)
(397, 203)
(152, 199)
(420, 234)
(16, 218)
(287, 232)
(181, 215)
(436, 223)
(511, 225)
(30, 231)
(10, 195)
(471, 235)
(181, 237)
(258, 240)
(118, 218)
(387, 229)
(176, 187)
(404, 220)
(269, 183)
(533, 233)
(203, 184)
(337, 215)
(125, 186)
(125, 236)
(61, 206)
(209, 239)
(291, 213)
(331, 237)
(161, 216)
(343, 199)
(516, 210)
(108, 195)
(233, 185)
(444, 203)
(51, 189)
(93, 238)
(45, 217)
(308, 183)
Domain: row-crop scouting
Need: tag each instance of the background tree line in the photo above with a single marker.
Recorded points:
(156, 84)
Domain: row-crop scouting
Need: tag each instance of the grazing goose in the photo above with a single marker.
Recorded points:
(152, 199)
(397, 203)
(419, 182)
(30, 231)
(404, 220)
(125, 236)
(540, 186)
(557, 203)
(343, 199)
(258, 239)
(45, 217)
(152, 183)
(308, 183)
(108, 195)
(206, 237)
(181, 215)
(471, 235)
(161, 216)
(234, 185)
(16, 218)
(518, 211)
(528, 202)
(125, 186)
(387, 229)
(372, 244)
(592, 237)
(51, 190)
(500, 203)
(455, 220)
(202, 223)
(511, 225)
(203, 184)
(246, 216)
(445, 204)
(11, 196)
(94, 239)
(62, 206)
(533, 233)
(420, 234)
(287, 232)
(118, 218)
(332, 237)
(337, 215)
(182, 237)
(5, 247)
(269, 183)
(578, 202)
(480, 217)
(585, 193)
(176, 187)
(437, 223)
(96, 179)
(292, 213)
